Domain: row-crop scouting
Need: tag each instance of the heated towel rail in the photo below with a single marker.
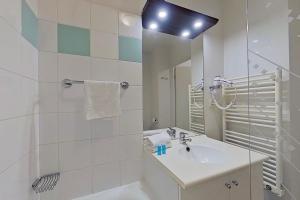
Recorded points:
(257, 125)
(196, 109)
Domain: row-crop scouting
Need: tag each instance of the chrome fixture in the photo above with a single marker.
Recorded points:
(171, 132)
(236, 183)
(228, 185)
(46, 183)
(219, 82)
(183, 140)
(67, 83)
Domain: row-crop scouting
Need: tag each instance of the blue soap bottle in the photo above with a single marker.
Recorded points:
(159, 150)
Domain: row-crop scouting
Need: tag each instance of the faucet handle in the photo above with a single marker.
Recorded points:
(172, 132)
(182, 134)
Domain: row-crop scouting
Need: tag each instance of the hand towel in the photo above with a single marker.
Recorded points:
(102, 99)
(153, 141)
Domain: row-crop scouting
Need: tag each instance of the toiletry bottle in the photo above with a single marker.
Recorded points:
(163, 149)
(159, 150)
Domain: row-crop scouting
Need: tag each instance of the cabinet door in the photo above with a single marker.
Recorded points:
(211, 190)
(240, 182)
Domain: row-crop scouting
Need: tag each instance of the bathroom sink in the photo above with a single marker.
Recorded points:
(204, 154)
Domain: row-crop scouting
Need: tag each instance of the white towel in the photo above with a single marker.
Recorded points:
(102, 99)
(152, 132)
(153, 141)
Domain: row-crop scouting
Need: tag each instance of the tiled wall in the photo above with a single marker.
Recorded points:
(80, 40)
(19, 99)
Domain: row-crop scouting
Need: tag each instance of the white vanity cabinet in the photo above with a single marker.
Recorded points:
(234, 186)
(231, 186)
(224, 173)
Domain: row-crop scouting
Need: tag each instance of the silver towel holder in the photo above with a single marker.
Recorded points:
(67, 83)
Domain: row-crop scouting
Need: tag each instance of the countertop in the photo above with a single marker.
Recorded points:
(188, 173)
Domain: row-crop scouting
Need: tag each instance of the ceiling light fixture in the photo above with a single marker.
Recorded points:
(162, 14)
(153, 26)
(185, 33)
(198, 24)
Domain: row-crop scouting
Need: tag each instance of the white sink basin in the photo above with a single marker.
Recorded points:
(204, 154)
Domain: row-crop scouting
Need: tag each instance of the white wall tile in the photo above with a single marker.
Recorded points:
(131, 121)
(131, 146)
(20, 95)
(48, 97)
(11, 95)
(47, 40)
(75, 184)
(104, 45)
(74, 12)
(71, 99)
(30, 97)
(15, 140)
(47, 9)
(131, 72)
(48, 159)
(106, 176)
(74, 155)
(105, 150)
(131, 171)
(73, 67)
(29, 60)
(73, 126)
(10, 10)
(51, 195)
(48, 128)
(104, 19)
(130, 25)
(10, 48)
(33, 4)
(48, 66)
(104, 128)
(15, 181)
(104, 70)
(132, 98)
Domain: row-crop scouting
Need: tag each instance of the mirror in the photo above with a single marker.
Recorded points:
(173, 82)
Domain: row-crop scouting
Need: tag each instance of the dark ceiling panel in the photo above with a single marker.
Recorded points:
(177, 20)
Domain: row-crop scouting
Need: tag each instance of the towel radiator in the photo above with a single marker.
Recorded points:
(196, 109)
(254, 122)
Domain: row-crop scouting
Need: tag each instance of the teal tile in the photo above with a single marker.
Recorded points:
(130, 49)
(29, 24)
(73, 40)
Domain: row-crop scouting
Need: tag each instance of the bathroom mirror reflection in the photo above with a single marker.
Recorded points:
(173, 82)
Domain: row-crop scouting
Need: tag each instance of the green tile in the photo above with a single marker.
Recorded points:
(130, 49)
(73, 40)
(29, 24)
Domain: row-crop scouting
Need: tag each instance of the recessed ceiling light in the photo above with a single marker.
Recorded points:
(198, 24)
(162, 14)
(255, 41)
(185, 33)
(153, 26)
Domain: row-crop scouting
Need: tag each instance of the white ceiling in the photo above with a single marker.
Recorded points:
(132, 6)
(153, 40)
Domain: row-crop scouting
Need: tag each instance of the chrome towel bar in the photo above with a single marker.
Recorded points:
(67, 83)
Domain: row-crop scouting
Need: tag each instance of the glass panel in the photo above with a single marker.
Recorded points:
(274, 72)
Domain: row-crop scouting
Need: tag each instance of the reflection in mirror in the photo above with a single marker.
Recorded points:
(173, 82)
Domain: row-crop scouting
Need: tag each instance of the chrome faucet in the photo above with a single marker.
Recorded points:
(183, 140)
(172, 132)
